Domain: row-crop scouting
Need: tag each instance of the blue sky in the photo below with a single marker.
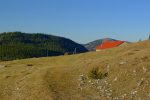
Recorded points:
(80, 20)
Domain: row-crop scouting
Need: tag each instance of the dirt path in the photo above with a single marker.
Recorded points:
(30, 85)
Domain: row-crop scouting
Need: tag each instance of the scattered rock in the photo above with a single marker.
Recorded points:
(17, 88)
(148, 95)
(115, 79)
(140, 82)
(133, 93)
(123, 62)
(125, 95)
(108, 68)
(89, 81)
(99, 87)
(97, 81)
(92, 83)
(82, 77)
(144, 70)
(134, 71)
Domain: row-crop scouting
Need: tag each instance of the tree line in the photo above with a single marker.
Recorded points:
(18, 45)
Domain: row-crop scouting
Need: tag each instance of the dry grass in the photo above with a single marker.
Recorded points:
(56, 78)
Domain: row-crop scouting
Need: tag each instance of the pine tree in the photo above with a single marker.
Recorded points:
(149, 37)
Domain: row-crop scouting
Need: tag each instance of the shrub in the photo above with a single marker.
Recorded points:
(96, 74)
(29, 65)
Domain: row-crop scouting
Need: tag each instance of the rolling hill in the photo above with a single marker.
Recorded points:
(18, 45)
(66, 77)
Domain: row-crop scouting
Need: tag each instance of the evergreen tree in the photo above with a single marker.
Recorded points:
(17, 45)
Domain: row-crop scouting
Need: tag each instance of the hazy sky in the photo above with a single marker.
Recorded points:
(80, 20)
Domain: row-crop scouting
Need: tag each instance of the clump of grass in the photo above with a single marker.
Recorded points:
(7, 76)
(29, 65)
(6, 66)
(95, 73)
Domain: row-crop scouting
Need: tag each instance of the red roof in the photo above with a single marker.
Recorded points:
(109, 44)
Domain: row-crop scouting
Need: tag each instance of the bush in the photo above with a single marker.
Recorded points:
(96, 74)
(29, 65)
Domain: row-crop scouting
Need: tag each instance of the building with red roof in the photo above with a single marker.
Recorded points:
(109, 44)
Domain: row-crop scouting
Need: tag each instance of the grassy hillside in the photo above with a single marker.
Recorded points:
(17, 45)
(66, 77)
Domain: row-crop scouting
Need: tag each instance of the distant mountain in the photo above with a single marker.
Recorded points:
(91, 46)
(18, 45)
